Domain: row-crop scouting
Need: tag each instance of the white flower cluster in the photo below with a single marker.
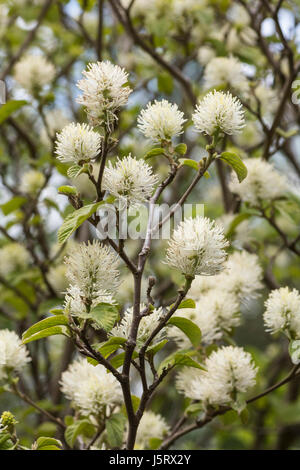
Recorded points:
(219, 111)
(104, 92)
(77, 143)
(90, 388)
(13, 257)
(197, 247)
(283, 312)
(152, 425)
(161, 120)
(263, 183)
(32, 182)
(130, 180)
(13, 354)
(147, 325)
(55, 122)
(241, 277)
(225, 71)
(215, 314)
(33, 72)
(229, 372)
(93, 274)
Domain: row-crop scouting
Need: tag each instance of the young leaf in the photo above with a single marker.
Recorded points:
(157, 347)
(154, 152)
(110, 346)
(76, 429)
(105, 315)
(46, 323)
(115, 427)
(47, 443)
(178, 359)
(76, 218)
(189, 162)
(13, 204)
(67, 190)
(181, 149)
(187, 303)
(118, 360)
(54, 330)
(9, 108)
(190, 329)
(236, 164)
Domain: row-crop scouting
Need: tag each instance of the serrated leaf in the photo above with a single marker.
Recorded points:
(76, 218)
(54, 330)
(105, 315)
(67, 190)
(236, 164)
(181, 149)
(189, 328)
(9, 108)
(189, 162)
(115, 427)
(47, 443)
(13, 204)
(45, 323)
(154, 152)
(76, 429)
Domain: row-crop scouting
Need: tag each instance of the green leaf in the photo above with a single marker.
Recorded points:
(115, 427)
(5, 441)
(181, 149)
(194, 409)
(165, 83)
(178, 359)
(189, 328)
(189, 162)
(110, 346)
(56, 311)
(135, 405)
(9, 108)
(46, 323)
(12, 205)
(67, 190)
(294, 351)
(236, 164)
(157, 347)
(236, 221)
(54, 330)
(105, 315)
(76, 218)
(75, 170)
(155, 443)
(154, 153)
(187, 303)
(81, 427)
(47, 443)
(287, 134)
(118, 360)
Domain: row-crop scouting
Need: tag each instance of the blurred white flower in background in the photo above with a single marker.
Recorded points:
(32, 72)
(152, 425)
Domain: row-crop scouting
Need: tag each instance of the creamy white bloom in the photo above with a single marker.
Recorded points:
(242, 275)
(90, 388)
(152, 425)
(229, 371)
(130, 180)
(197, 247)
(93, 267)
(202, 285)
(283, 312)
(263, 183)
(161, 120)
(218, 110)
(55, 121)
(216, 313)
(77, 143)
(147, 325)
(79, 305)
(225, 71)
(104, 91)
(13, 257)
(205, 54)
(32, 182)
(33, 72)
(13, 354)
